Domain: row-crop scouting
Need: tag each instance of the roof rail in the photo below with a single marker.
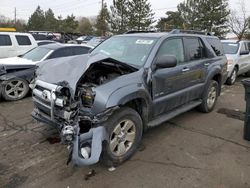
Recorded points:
(139, 31)
(179, 31)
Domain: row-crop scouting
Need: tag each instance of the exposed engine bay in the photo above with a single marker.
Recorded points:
(99, 74)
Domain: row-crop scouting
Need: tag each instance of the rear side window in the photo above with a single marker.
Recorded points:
(195, 49)
(5, 40)
(216, 45)
(80, 50)
(23, 40)
(63, 52)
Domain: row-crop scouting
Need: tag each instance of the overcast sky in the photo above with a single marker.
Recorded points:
(84, 7)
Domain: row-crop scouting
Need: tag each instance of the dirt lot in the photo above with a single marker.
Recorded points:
(192, 150)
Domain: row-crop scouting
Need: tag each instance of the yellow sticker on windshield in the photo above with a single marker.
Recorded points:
(144, 42)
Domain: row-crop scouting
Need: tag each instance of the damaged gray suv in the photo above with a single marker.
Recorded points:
(102, 102)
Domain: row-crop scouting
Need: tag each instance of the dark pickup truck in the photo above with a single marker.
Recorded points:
(102, 102)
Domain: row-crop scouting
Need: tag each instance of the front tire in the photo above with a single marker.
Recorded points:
(210, 97)
(124, 129)
(15, 89)
(232, 79)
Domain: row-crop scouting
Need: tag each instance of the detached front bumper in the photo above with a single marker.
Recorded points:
(94, 137)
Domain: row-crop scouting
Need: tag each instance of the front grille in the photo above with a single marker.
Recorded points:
(42, 97)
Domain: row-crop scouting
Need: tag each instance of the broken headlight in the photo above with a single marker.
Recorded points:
(88, 96)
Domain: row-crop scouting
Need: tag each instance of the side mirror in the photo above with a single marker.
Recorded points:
(245, 52)
(166, 61)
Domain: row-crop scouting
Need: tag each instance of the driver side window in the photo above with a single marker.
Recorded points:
(173, 47)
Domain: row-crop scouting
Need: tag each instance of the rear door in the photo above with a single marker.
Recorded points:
(6, 46)
(197, 63)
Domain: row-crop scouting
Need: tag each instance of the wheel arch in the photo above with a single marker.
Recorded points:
(133, 97)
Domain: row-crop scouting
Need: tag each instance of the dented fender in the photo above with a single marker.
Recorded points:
(128, 93)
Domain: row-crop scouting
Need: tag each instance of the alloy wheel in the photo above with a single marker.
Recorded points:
(122, 137)
(15, 89)
(212, 95)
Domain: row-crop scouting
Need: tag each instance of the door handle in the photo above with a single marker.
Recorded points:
(185, 69)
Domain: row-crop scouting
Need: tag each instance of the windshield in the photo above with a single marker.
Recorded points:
(36, 54)
(230, 48)
(127, 49)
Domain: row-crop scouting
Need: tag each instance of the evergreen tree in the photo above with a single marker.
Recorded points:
(140, 14)
(189, 13)
(69, 24)
(36, 20)
(172, 21)
(102, 26)
(51, 22)
(119, 16)
(208, 15)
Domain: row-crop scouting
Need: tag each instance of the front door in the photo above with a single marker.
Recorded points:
(173, 87)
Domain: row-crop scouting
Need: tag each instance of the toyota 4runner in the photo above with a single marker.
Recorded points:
(102, 102)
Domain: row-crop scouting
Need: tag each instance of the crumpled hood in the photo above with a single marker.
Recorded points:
(66, 71)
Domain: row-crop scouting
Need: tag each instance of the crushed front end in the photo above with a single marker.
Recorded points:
(80, 131)
(74, 100)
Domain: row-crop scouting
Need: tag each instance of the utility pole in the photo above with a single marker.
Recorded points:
(102, 18)
(102, 3)
(15, 16)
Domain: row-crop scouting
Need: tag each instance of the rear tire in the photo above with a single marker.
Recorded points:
(232, 79)
(124, 130)
(15, 89)
(210, 97)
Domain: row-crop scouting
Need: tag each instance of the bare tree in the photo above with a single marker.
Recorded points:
(239, 23)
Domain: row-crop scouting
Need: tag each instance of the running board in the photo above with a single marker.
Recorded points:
(163, 118)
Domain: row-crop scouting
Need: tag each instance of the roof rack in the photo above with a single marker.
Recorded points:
(140, 31)
(179, 31)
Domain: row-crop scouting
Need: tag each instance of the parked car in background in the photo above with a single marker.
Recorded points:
(127, 84)
(238, 57)
(44, 42)
(95, 41)
(17, 72)
(14, 44)
(84, 39)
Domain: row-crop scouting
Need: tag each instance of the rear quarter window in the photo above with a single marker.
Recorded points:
(5, 40)
(216, 45)
(23, 40)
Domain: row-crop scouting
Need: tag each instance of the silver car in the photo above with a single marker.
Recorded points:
(238, 57)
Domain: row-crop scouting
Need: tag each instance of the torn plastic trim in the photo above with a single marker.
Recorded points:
(98, 118)
(96, 136)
